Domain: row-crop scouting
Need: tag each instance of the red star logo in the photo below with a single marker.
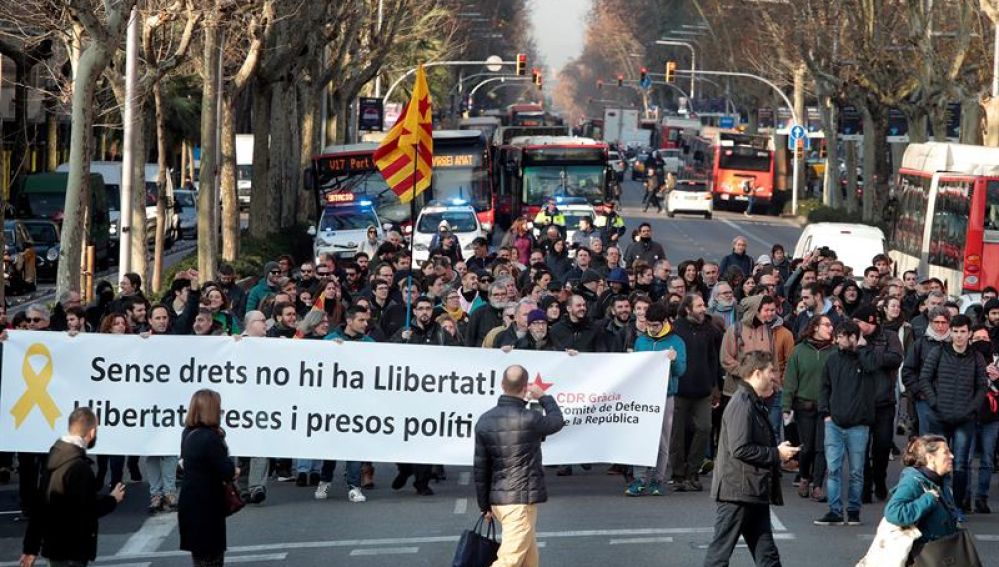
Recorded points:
(541, 383)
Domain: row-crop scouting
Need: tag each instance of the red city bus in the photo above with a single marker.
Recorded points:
(534, 168)
(741, 168)
(946, 220)
(525, 115)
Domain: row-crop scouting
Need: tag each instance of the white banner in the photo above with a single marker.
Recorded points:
(319, 399)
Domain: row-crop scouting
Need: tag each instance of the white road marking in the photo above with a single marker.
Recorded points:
(150, 535)
(987, 537)
(384, 551)
(253, 558)
(464, 478)
(145, 564)
(542, 544)
(776, 523)
(633, 540)
(10, 513)
(742, 230)
(460, 505)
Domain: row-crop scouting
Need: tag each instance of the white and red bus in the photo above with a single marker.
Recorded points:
(946, 220)
(525, 114)
(676, 132)
(535, 168)
(740, 166)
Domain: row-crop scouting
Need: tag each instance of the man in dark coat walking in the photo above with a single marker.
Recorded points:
(64, 525)
(747, 473)
(509, 480)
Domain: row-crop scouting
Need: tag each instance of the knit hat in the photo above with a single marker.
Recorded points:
(270, 267)
(589, 276)
(617, 275)
(866, 313)
(536, 315)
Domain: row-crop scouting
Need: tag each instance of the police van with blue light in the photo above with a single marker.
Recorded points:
(445, 219)
(572, 210)
(343, 224)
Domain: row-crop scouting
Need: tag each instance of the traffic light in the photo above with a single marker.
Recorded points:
(670, 71)
(620, 80)
(600, 84)
(521, 64)
(537, 80)
(536, 76)
(643, 72)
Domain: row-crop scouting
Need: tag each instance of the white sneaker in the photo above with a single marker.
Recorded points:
(355, 495)
(322, 491)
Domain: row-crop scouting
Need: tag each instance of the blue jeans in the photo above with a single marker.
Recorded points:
(985, 434)
(927, 419)
(161, 472)
(776, 415)
(840, 442)
(959, 437)
(307, 466)
(352, 474)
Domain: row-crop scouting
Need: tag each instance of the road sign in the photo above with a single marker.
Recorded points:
(801, 143)
(726, 122)
(494, 63)
(646, 83)
(797, 132)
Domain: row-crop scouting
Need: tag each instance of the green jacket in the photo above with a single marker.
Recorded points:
(803, 375)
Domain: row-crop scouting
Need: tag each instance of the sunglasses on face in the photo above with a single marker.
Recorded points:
(275, 272)
(34, 319)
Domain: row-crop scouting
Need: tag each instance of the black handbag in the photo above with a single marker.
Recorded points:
(955, 550)
(476, 549)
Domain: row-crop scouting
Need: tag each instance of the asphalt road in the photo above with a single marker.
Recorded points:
(587, 521)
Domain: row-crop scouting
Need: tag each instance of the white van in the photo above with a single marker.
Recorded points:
(111, 171)
(855, 245)
(244, 169)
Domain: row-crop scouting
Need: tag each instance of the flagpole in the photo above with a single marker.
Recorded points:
(412, 235)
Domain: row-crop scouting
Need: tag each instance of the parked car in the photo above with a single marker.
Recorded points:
(19, 258)
(854, 244)
(187, 202)
(45, 235)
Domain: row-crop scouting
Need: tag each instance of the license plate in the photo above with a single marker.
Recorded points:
(741, 198)
(724, 196)
(692, 197)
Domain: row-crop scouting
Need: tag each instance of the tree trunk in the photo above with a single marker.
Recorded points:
(263, 205)
(207, 234)
(19, 157)
(137, 232)
(991, 135)
(230, 200)
(161, 187)
(310, 130)
(971, 122)
(876, 171)
(280, 146)
(916, 119)
(830, 181)
(850, 161)
(91, 64)
(938, 118)
(183, 161)
(341, 110)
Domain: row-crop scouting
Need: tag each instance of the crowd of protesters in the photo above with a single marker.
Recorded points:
(859, 354)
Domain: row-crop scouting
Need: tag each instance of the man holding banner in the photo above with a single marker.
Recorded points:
(509, 480)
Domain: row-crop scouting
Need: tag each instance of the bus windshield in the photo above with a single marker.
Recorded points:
(744, 158)
(367, 182)
(541, 182)
(469, 184)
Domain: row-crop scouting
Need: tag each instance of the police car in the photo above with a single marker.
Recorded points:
(343, 225)
(456, 215)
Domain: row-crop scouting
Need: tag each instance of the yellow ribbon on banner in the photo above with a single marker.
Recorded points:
(37, 393)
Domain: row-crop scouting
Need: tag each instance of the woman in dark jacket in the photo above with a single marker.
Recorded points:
(558, 260)
(202, 510)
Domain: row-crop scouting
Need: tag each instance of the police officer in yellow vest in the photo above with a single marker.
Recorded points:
(609, 223)
(550, 215)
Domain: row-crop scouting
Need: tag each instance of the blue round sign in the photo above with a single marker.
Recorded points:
(797, 132)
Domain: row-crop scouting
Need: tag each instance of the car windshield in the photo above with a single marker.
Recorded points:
(185, 198)
(8, 237)
(347, 218)
(572, 218)
(460, 221)
(42, 233)
(46, 205)
(114, 197)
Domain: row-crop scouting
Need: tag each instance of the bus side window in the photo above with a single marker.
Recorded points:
(992, 212)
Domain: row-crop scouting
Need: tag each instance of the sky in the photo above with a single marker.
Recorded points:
(559, 26)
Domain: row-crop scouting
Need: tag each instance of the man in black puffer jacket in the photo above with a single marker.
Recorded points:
(953, 383)
(577, 332)
(509, 480)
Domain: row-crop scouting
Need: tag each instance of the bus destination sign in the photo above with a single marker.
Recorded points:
(445, 161)
(340, 166)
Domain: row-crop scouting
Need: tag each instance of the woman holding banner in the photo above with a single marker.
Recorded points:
(204, 455)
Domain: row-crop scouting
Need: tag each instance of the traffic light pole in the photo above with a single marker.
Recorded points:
(794, 117)
(505, 78)
(693, 60)
(391, 89)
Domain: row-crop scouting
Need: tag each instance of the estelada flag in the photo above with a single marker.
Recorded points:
(405, 157)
